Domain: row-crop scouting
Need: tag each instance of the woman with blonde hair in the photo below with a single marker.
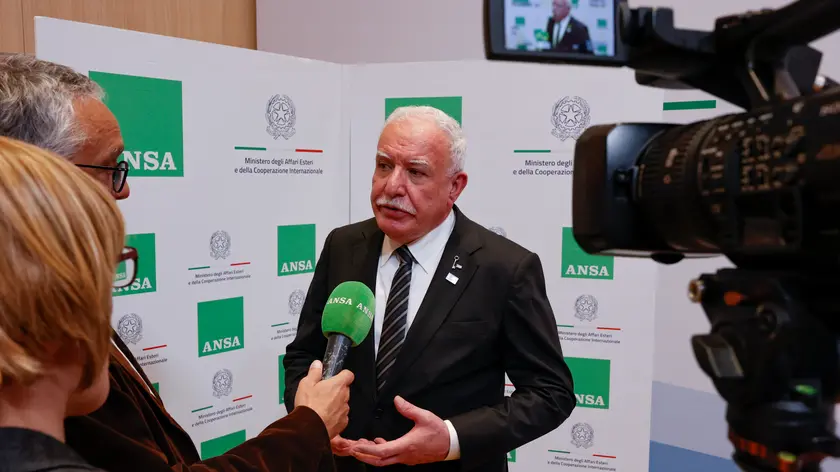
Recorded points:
(61, 239)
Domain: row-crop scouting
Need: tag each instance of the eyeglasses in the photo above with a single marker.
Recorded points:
(118, 176)
(126, 268)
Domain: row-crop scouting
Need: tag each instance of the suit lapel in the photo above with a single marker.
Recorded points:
(366, 253)
(551, 34)
(444, 291)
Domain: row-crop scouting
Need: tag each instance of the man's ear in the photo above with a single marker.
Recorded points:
(459, 182)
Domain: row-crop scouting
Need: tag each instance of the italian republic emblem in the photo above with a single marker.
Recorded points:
(583, 435)
(220, 245)
(222, 383)
(570, 117)
(296, 299)
(130, 328)
(280, 115)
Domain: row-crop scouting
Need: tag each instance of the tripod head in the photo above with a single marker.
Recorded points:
(775, 361)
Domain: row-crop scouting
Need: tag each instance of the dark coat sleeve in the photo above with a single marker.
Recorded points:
(544, 394)
(296, 442)
(309, 343)
(131, 432)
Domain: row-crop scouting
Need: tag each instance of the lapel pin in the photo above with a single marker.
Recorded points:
(455, 264)
(452, 279)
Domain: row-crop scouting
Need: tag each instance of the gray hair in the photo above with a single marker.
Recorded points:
(447, 124)
(36, 102)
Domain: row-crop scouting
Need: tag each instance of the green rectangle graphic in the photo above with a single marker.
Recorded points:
(690, 105)
(295, 249)
(591, 378)
(221, 326)
(452, 106)
(146, 277)
(578, 264)
(218, 446)
(150, 114)
(281, 378)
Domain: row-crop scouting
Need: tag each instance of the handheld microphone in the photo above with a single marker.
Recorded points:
(348, 316)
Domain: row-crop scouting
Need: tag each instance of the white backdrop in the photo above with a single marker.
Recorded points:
(507, 114)
(371, 31)
(228, 238)
(227, 289)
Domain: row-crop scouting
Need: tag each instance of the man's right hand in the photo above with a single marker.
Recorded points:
(328, 398)
(341, 446)
(344, 447)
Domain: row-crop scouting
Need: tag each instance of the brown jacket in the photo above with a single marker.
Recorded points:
(132, 432)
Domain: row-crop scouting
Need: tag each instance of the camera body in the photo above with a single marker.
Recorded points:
(733, 185)
(606, 217)
(759, 187)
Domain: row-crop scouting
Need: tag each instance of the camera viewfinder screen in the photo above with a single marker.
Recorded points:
(561, 26)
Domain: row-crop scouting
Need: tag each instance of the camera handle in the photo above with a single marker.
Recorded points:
(773, 355)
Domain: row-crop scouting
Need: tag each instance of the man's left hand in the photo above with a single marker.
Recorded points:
(428, 440)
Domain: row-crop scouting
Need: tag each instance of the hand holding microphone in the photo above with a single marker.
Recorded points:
(328, 398)
(346, 322)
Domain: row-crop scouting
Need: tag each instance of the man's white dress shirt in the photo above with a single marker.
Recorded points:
(560, 30)
(427, 252)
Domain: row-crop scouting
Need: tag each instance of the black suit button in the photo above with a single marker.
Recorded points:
(377, 413)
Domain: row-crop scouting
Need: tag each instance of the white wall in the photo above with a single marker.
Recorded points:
(365, 31)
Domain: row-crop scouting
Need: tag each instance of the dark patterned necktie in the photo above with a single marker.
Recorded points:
(396, 315)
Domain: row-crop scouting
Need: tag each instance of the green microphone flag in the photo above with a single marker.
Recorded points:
(346, 322)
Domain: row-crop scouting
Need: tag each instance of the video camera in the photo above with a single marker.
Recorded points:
(760, 187)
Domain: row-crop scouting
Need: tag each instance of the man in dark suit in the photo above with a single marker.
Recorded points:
(565, 33)
(457, 307)
(59, 109)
